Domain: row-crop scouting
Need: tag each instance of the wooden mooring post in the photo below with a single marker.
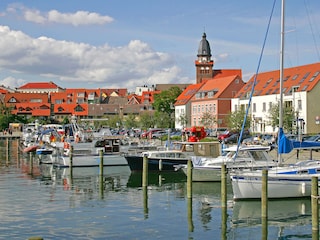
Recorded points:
(264, 204)
(18, 151)
(145, 171)
(145, 185)
(71, 160)
(31, 155)
(71, 166)
(189, 179)
(224, 216)
(101, 174)
(315, 208)
(7, 151)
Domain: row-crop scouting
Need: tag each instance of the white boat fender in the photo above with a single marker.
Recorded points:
(303, 188)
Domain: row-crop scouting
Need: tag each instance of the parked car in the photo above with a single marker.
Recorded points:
(313, 138)
(264, 139)
(149, 133)
(216, 131)
(159, 134)
(224, 135)
(234, 138)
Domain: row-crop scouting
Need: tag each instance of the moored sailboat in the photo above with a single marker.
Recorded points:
(283, 181)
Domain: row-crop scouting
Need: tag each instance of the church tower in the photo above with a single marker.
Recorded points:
(204, 64)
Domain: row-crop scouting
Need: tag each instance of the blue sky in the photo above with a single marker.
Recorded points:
(124, 44)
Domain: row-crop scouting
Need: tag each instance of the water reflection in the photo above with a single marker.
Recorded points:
(53, 204)
(280, 212)
(86, 179)
(285, 215)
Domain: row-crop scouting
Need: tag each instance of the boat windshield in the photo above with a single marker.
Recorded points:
(258, 156)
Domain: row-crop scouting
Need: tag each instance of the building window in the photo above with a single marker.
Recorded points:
(304, 77)
(263, 107)
(254, 107)
(214, 108)
(314, 76)
(299, 104)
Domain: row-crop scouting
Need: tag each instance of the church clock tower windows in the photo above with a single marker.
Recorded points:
(204, 63)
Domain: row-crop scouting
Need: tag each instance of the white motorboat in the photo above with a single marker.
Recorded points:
(167, 160)
(87, 154)
(246, 158)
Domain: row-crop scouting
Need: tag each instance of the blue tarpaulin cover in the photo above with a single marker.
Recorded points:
(285, 145)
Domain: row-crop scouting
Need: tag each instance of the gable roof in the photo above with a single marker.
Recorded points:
(26, 97)
(39, 85)
(218, 85)
(219, 73)
(35, 109)
(188, 93)
(302, 78)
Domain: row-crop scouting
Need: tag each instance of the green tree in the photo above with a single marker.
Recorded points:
(164, 102)
(7, 117)
(183, 120)
(147, 120)
(130, 121)
(235, 120)
(114, 121)
(287, 117)
(162, 120)
(208, 120)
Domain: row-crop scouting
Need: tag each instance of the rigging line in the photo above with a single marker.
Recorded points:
(312, 32)
(255, 79)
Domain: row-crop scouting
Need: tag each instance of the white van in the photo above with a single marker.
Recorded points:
(216, 131)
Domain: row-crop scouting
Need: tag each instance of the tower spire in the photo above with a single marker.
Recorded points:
(204, 63)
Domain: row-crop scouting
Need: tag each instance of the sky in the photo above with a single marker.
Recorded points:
(126, 44)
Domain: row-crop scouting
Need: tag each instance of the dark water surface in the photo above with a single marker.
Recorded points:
(51, 204)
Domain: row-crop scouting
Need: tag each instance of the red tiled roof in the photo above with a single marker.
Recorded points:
(188, 93)
(218, 84)
(304, 78)
(35, 109)
(25, 97)
(3, 91)
(219, 73)
(40, 85)
(71, 108)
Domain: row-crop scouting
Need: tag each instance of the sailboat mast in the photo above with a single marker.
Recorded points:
(281, 64)
(281, 78)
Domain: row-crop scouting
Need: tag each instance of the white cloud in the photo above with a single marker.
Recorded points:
(12, 82)
(76, 19)
(127, 66)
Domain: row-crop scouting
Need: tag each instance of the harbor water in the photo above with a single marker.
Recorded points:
(39, 200)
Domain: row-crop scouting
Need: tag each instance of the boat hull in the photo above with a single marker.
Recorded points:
(281, 186)
(136, 163)
(91, 160)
